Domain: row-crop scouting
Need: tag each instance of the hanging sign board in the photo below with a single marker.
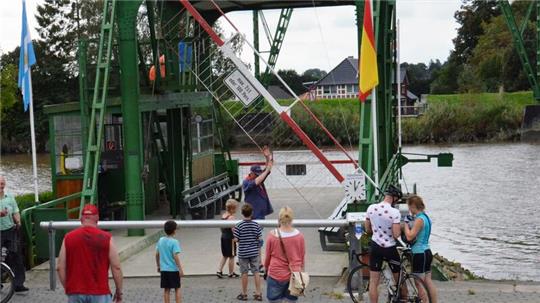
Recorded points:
(241, 87)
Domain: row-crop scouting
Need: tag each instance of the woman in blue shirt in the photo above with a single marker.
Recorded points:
(421, 230)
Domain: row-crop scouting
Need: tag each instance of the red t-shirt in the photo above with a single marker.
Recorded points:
(87, 261)
(275, 261)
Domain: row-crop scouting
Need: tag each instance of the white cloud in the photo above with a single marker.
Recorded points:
(319, 37)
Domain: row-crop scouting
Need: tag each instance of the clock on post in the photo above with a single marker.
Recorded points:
(355, 187)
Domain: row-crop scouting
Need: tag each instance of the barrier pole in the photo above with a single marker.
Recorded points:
(52, 257)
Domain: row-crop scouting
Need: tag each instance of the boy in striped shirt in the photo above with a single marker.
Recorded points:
(247, 234)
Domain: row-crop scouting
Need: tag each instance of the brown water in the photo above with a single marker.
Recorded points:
(484, 209)
(17, 169)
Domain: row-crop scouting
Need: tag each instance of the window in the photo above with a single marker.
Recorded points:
(342, 91)
(295, 169)
(68, 144)
(202, 134)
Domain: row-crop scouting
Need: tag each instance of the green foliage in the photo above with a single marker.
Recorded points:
(27, 200)
(421, 76)
(468, 118)
(8, 88)
(340, 116)
(468, 81)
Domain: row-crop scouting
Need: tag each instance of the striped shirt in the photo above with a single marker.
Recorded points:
(248, 233)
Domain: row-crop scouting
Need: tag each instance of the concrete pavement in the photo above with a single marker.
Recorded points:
(210, 289)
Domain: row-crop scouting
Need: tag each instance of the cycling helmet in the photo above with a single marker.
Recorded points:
(393, 191)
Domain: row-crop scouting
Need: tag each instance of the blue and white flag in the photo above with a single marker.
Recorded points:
(27, 58)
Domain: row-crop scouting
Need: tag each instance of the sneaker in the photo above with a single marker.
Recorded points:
(219, 274)
(21, 288)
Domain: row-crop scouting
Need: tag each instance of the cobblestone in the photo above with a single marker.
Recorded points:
(209, 289)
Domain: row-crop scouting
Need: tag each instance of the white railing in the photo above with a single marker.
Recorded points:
(52, 226)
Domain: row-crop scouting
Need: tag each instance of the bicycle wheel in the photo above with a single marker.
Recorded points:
(7, 283)
(358, 283)
(414, 290)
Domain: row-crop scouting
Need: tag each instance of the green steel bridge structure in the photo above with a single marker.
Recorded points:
(134, 134)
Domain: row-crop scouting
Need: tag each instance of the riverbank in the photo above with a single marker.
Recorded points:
(468, 118)
(458, 118)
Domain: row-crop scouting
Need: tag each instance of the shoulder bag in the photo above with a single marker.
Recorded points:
(299, 280)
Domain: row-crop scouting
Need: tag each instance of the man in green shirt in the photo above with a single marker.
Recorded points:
(10, 221)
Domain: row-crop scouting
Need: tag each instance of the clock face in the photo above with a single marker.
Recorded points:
(355, 187)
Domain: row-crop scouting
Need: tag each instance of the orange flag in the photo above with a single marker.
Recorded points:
(368, 75)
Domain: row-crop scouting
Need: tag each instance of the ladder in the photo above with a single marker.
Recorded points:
(277, 42)
(98, 109)
(161, 148)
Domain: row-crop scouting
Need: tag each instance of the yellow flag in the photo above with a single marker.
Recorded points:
(368, 76)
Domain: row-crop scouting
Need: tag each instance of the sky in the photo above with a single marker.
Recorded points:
(316, 37)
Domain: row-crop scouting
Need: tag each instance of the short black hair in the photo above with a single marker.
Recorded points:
(170, 227)
(247, 210)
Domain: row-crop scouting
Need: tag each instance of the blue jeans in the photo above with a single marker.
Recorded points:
(278, 291)
(89, 299)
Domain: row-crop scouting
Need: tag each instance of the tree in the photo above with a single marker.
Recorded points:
(471, 15)
(421, 76)
(292, 78)
(313, 74)
(8, 88)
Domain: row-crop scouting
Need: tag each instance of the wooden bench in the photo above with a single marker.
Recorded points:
(334, 235)
(208, 198)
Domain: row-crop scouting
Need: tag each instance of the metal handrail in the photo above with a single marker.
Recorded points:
(67, 225)
(27, 220)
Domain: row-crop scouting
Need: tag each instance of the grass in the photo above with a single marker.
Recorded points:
(27, 200)
(340, 116)
(449, 118)
(468, 118)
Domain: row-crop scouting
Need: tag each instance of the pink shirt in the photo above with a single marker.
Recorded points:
(275, 261)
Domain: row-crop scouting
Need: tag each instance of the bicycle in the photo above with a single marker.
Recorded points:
(7, 279)
(411, 288)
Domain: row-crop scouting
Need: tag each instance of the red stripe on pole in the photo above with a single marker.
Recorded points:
(193, 11)
(309, 144)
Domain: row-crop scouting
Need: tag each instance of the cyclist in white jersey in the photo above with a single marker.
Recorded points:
(383, 220)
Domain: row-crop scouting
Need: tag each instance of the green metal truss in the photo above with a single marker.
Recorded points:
(517, 36)
(275, 43)
(385, 37)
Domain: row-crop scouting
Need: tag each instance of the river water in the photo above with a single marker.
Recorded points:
(484, 208)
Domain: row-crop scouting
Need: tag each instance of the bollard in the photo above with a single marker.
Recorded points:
(52, 256)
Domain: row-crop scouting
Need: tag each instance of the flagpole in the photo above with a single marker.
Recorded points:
(398, 73)
(375, 136)
(33, 138)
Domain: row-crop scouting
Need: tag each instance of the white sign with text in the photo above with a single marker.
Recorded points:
(241, 87)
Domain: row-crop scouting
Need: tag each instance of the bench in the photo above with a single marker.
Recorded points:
(208, 198)
(334, 235)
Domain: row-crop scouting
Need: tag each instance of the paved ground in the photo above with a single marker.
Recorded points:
(201, 251)
(209, 289)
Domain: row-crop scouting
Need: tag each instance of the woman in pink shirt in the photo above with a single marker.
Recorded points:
(277, 264)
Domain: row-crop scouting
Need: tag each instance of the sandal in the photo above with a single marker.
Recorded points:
(219, 274)
(234, 275)
(242, 297)
(257, 297)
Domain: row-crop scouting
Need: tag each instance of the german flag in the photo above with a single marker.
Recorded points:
(368, 75)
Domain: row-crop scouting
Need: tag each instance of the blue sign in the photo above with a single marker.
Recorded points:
(185, 53)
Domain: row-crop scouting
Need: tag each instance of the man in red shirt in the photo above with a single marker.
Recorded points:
(86, 255)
